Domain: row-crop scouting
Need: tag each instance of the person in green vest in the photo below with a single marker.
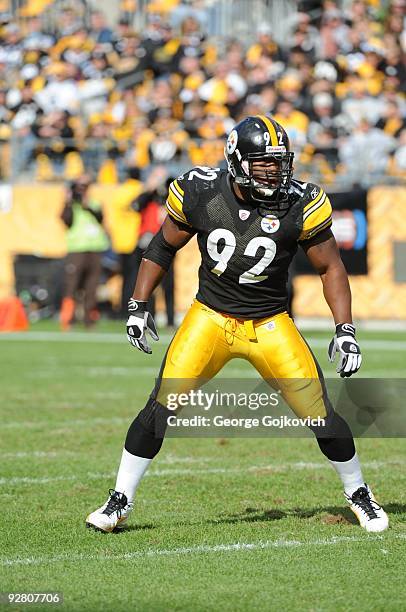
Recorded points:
(86, 240)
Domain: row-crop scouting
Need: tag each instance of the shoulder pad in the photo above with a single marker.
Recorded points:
(298, 188)
(185, 192)
(175, 202)
(311, 192)
(200, 179)
(317, 211)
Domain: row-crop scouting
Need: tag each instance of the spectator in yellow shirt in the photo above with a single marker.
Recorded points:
(124, 229)
(294, 121)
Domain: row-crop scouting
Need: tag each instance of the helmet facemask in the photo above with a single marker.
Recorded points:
(267, 185)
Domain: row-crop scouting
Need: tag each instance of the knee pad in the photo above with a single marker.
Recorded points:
(335, 438)
(153, 417)
(146, 433)
(335, 427)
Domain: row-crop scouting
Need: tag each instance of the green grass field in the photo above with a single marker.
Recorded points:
(220, 524)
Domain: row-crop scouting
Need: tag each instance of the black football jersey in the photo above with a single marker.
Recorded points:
(245, 252)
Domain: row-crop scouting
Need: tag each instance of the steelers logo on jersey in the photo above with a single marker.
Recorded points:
(270, 224)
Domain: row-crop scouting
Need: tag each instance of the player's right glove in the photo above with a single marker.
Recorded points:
(345, 344)
(139, 322)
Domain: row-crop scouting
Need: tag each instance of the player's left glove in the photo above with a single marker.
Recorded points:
(345, 344)
(139, 322)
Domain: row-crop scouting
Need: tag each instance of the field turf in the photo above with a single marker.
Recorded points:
(220, 524)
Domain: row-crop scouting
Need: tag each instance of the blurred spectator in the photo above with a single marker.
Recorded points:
(399, 158)
(168, 141)
(69, 21)
(61, 91)
(305, 36)
(334, 35)
(358, 103)
(265, 46)
(194, 10)
(290, 87)
(393, 67)
(323, 117)
(267, 99)
(295, 122)
(54, 136)
(224, 86)
(11, 49)
(21, 102)
(5, 111)
(124, 228)
(26, 111)
(395, 20)
(193, 76)
(36, 37)
(99, 29)
(366, 153)
(392, 122)
(86, 241)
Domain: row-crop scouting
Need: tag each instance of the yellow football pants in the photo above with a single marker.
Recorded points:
(206, 340)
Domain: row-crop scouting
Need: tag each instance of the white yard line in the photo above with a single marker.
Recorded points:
(54, 336)
(168, 460)
(95, 337)
(37, 455)
(66, 424)
(199, 549)
(242, 471)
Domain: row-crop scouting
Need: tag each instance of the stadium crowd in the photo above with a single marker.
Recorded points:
(78, 94)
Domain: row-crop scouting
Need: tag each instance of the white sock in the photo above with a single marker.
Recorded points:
(130, 473)
(350, 473)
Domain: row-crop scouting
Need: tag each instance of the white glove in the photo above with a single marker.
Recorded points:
(345, 344)
(139, 322)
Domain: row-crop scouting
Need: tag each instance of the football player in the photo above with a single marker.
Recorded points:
(249, 221)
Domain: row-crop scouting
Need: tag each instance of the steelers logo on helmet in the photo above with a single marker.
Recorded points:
(270, 224)
(232, 141)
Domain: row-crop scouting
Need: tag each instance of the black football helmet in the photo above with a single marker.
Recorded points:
(260, 138)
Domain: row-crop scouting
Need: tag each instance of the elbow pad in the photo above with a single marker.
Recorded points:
(159, 251)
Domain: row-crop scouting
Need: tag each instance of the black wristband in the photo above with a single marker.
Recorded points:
(136, 307)
(345, 329)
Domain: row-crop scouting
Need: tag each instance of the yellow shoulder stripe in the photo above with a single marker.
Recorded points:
(317, 218)
(174, 203)
(305, 235)
(178, 187)
(174, 206)
(315, 207)
(173, 213)
(271, 129)
(175, 193)
(320, 227)
(316, 199)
